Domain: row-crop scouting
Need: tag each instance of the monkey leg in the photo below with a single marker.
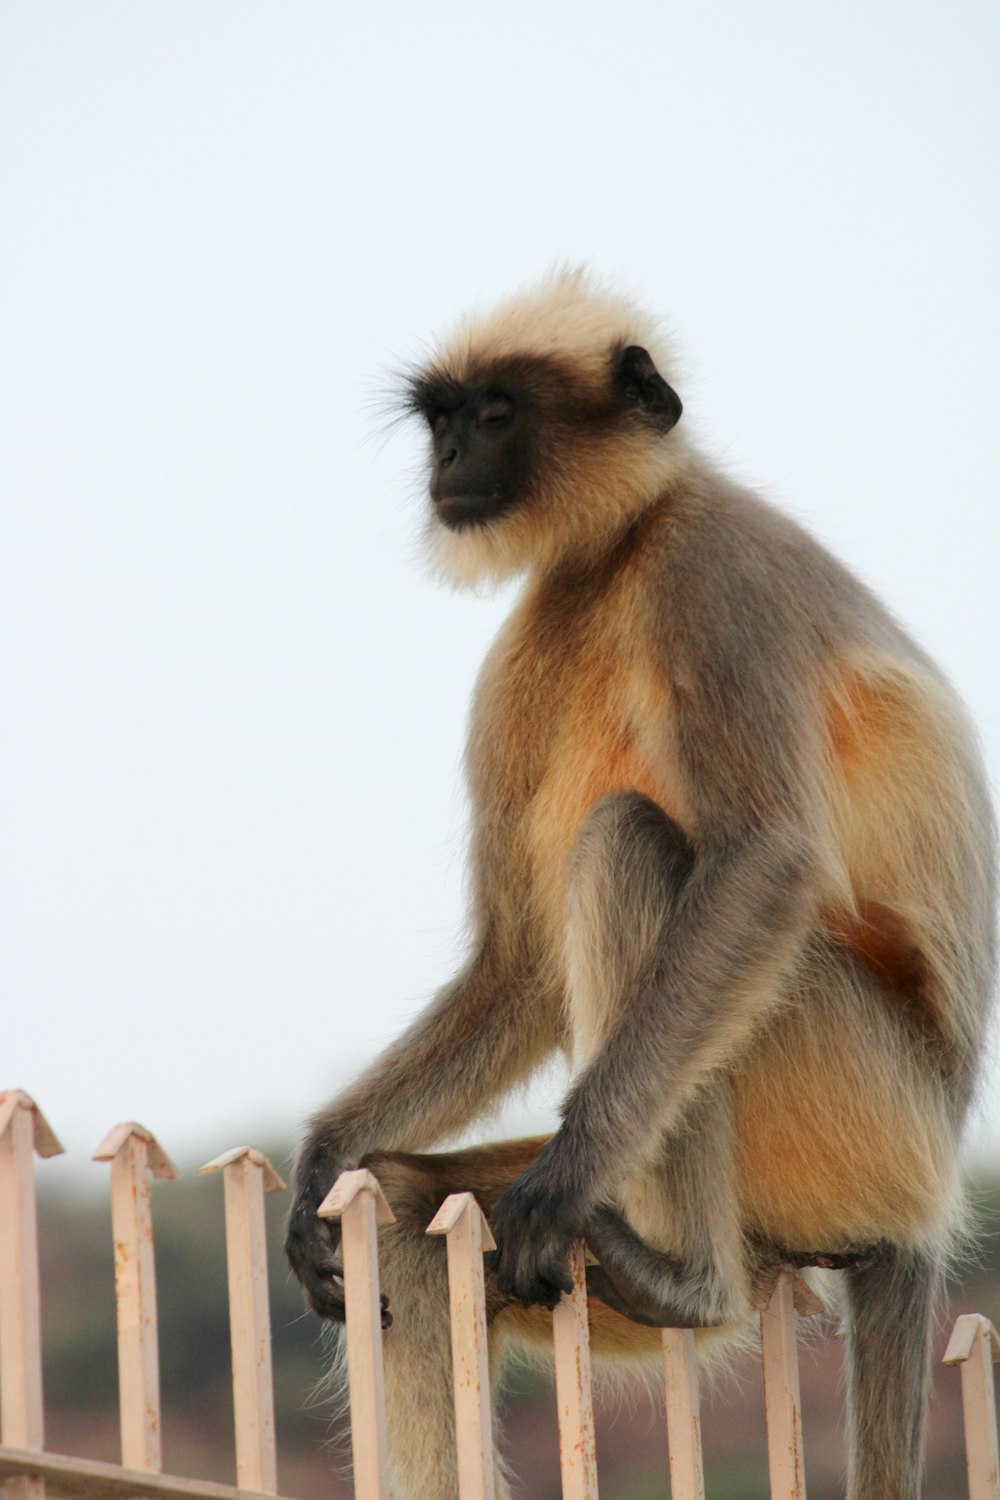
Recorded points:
(845, 1140)
(670, 1250)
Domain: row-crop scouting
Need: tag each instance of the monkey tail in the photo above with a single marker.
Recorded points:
(893, 1302)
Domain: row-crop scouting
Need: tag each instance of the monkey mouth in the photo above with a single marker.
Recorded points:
(458, 511)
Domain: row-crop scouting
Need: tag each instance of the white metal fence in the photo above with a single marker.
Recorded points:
(134, 1154)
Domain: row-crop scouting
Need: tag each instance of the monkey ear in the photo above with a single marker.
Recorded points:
(642, 385)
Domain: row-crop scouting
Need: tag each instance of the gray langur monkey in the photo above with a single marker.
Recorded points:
(732, 852)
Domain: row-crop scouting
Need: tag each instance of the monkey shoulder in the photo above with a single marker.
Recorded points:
(739, 580)
(748, 608)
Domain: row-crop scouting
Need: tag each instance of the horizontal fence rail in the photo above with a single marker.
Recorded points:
(29, 1472)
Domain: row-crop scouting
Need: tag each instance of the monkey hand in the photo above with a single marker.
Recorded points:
(535, 1224)
(312, 1244)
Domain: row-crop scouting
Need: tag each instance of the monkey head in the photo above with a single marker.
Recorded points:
(550, 425)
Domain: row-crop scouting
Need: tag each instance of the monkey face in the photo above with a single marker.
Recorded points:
(479, 450)
(502, 434)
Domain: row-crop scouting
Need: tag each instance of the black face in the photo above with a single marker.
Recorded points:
(479, 444)
(489, 436)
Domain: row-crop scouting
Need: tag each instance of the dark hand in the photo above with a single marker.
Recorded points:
(535, 1225)
(312, 1244)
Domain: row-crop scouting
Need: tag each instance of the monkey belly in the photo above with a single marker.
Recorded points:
(841, 1138)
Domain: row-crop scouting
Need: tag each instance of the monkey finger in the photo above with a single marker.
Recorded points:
(321, 1276)
(311, 1243)
(543, 1293)
(542, 1281)
(547, 1297)
(326, 1298)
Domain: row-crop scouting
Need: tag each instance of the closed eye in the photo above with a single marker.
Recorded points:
(495, 410)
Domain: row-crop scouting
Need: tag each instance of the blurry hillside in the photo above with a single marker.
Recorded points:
(81, 1377)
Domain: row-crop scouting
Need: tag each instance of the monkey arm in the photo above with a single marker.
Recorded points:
(717, 969)
(745, 723)
(483, 1033)
(713, 971)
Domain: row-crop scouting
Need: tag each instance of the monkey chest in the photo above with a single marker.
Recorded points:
(556, 736)
(602, 745)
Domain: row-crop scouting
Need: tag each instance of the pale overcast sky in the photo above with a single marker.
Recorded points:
(234, 705)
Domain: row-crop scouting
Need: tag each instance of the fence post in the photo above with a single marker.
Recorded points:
(783, 1406)
(247, 1175)
(468, 1235)
(571, 1336)
(975, 1345)
(23, 1130)
(687, 1479)
(356, 1199)
(134, 1153)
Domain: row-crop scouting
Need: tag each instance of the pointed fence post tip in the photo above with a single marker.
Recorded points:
(44, 1138)
(454, 1208)
(968, 1328)
(273, 1182)
(346, 1188)
(807, 1302)
(119, 1136)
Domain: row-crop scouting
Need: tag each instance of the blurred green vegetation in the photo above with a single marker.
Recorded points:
(82, 1389)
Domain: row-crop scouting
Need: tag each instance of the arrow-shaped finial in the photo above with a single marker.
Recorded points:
(968, 1328)
(453, 1210)
(118, 1136)
(808, 1303)
(44, 1137)
(273, 1183)
(346, 1188)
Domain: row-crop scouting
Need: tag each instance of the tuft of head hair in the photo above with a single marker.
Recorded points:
(568, 317)
(598, 467)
